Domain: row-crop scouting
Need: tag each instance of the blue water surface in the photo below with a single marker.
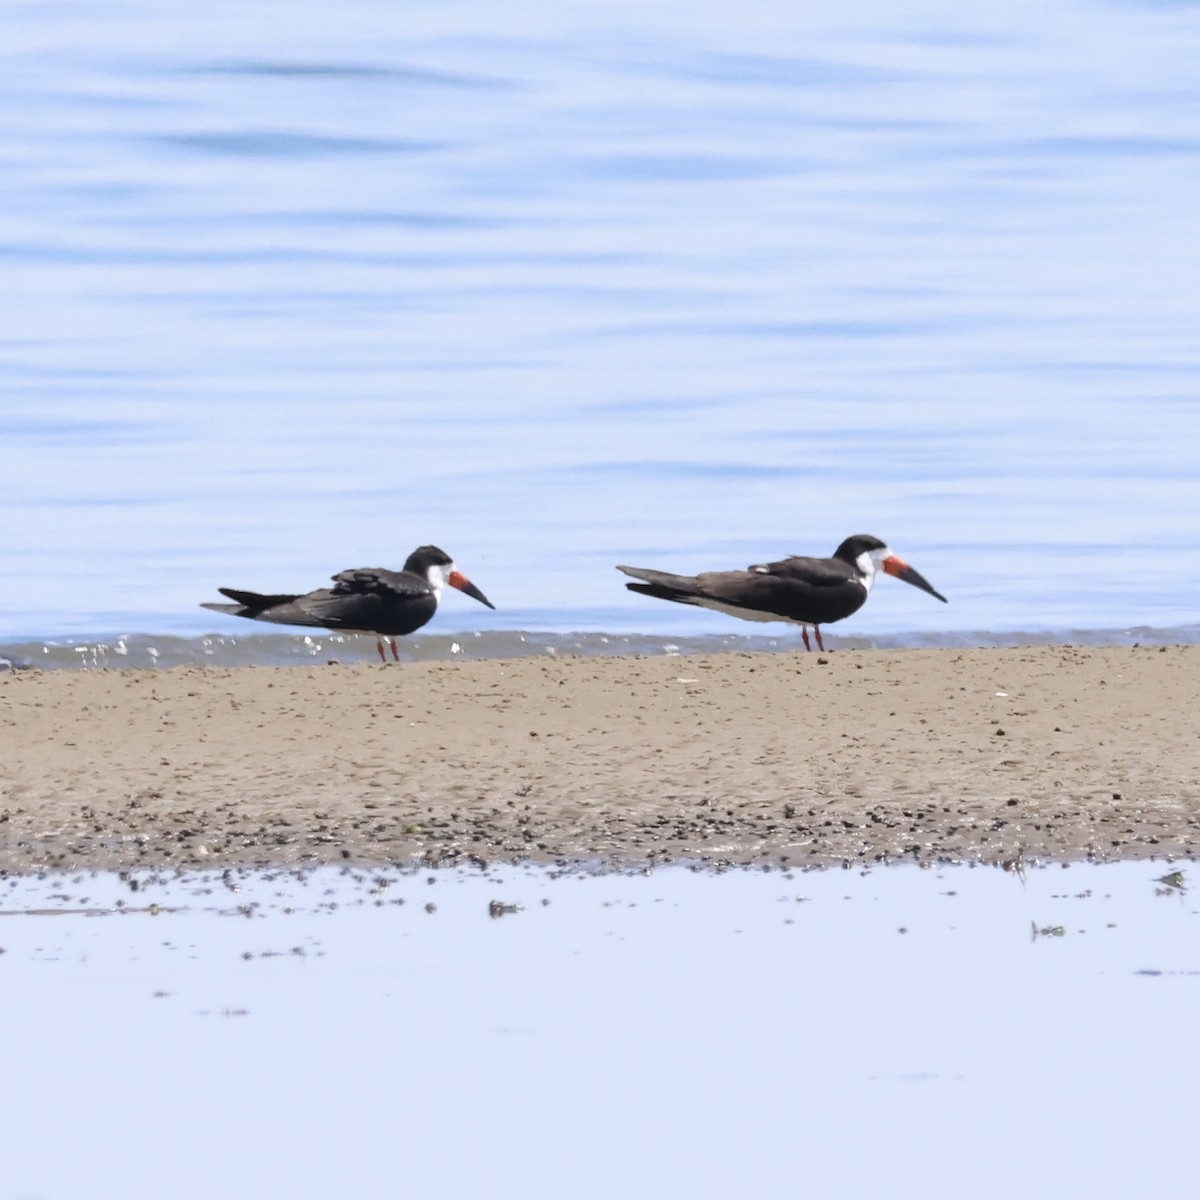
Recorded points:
(291, 288)
(523, 1033)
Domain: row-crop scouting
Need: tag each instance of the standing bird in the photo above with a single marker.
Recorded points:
(806, 591)
(388, 604)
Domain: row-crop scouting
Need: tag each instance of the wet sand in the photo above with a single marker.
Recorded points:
(995, 755)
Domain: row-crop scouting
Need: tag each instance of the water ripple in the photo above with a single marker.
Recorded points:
(280, 144)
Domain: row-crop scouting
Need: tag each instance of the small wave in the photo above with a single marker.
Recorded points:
(279, 650)
(284, 144)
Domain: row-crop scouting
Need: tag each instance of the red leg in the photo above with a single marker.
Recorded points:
(395, 652)
(820, 642)
(804, 635)
(379, 647)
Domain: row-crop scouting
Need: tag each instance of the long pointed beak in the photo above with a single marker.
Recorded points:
(456, 579)
(901, 570)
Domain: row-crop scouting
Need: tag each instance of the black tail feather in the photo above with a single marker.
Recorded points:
(662, 592)
(253, 602)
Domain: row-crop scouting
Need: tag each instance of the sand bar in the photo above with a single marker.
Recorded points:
(997, 755)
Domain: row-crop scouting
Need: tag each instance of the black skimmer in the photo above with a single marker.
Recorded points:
(806, 591)
(388, 604)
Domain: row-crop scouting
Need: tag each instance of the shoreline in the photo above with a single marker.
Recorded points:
(165, 650)
(1057, 753)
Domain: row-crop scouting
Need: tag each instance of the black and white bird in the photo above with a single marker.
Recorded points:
(809, 592)
(388, 604)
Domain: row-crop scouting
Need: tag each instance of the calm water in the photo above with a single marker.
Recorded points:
(290, 288)
(902, 1033)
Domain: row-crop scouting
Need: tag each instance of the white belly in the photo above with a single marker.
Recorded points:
(743, 614)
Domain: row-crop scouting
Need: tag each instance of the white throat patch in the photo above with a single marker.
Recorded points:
(870, 562)
(437, 576)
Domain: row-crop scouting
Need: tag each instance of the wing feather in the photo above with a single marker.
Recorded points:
(366, 581)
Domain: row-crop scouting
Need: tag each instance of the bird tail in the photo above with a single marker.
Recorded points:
(662, 585)
(249, 604)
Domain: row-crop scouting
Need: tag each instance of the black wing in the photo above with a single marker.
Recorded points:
(816, 572)
(367, 581)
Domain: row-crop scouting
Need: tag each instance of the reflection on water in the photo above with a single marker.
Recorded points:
(531, 1033)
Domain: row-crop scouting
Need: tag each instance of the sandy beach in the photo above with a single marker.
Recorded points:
(996, 756)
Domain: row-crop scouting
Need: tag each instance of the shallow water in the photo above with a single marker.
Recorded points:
(898, 1032)
(315, 649)
(292, 289)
